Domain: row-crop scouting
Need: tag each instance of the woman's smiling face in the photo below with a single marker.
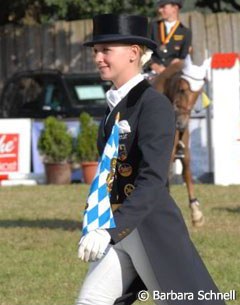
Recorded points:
(116, 62)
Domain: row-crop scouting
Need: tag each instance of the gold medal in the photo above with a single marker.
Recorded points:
(125, 169)
(163, 48)
(122, 154)
(162, 37)
(111, 174)
(128, 188)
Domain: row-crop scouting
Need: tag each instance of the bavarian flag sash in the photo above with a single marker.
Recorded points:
(98, 213)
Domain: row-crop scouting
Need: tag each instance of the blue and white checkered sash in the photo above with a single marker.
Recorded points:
(98, 213)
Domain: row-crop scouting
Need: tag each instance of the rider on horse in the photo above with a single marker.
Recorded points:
(173, 38)
(174, 41)
(169, 63)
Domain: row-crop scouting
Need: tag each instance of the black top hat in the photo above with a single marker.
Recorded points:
(121, 28)
(163, 2)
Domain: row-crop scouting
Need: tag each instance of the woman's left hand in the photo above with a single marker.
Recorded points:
(92, 246)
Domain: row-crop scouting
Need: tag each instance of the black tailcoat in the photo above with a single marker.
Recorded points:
(178, 46)
(141, 186)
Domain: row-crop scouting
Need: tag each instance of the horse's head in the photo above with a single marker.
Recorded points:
(182, 88)
(179, 92)
(183, 100)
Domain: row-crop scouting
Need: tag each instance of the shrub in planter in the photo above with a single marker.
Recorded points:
(86, 146)
(55, 144)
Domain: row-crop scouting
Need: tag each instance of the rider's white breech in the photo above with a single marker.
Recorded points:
(110, 277)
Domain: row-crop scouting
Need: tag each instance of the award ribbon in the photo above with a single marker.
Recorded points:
(165, 40)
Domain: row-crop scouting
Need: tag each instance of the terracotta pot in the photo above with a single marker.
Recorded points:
(58, 173)
(89, 170)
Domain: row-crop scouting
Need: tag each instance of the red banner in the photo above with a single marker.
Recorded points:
(9, 153)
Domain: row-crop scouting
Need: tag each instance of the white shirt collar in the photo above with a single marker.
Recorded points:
(169, 25)
(114, 96)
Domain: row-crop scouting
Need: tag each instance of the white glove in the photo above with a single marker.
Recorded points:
(92, 246)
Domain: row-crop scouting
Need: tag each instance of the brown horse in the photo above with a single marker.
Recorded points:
(183, 99)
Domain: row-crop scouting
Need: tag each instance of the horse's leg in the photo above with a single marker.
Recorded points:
(196, 213)
(176, 139)
(187, 175)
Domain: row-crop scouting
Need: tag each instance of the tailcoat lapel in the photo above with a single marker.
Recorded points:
(125, 107)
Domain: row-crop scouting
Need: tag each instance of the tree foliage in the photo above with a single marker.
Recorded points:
(40, 11)
(216, 6)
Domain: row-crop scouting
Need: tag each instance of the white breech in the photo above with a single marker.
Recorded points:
(110, 277)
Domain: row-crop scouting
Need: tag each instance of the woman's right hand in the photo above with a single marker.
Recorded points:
(92, 246)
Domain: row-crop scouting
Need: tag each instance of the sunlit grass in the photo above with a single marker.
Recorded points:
(39, 232)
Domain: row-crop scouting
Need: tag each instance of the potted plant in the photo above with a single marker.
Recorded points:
(55, 144)
(86, 146)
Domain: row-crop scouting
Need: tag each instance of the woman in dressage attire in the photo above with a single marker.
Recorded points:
(150, 246)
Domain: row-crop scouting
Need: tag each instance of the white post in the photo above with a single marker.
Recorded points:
(226, 118)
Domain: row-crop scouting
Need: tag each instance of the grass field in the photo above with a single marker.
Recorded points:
(39, 232)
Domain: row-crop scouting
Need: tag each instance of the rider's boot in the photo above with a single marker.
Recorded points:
(196, 214)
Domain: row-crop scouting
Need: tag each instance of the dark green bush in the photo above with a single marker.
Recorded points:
(55, 142)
